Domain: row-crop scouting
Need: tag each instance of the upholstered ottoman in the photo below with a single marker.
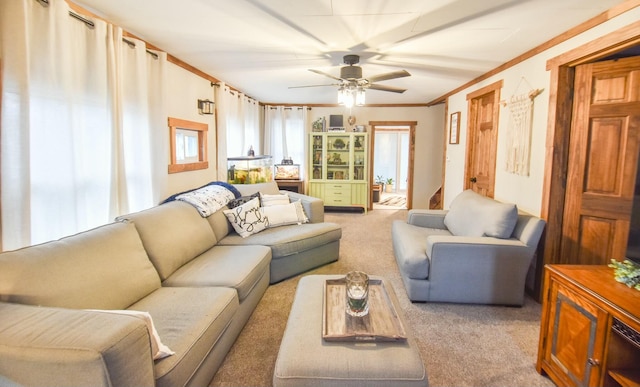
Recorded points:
(306, 359)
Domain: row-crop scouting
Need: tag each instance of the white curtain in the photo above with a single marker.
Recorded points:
(285, 133)
(75, 141)
(239, 119)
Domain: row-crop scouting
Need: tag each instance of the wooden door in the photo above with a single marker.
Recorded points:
(602, 164)
(482, 142)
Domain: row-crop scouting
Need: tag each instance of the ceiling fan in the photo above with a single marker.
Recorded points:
(351, 85)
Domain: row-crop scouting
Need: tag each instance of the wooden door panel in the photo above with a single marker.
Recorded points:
(603, 157)
(596, 236)
(482, 141)
(603, 164)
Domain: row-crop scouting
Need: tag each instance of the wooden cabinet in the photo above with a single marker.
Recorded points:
(339, 168)
(590, 328)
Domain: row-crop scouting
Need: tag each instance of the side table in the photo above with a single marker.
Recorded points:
(291, 185)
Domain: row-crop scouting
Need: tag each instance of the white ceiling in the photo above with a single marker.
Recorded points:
(262, 47)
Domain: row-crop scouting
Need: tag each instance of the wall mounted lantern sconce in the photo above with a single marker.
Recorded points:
(205, 106)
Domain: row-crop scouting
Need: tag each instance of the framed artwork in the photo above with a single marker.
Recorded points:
(454, 128)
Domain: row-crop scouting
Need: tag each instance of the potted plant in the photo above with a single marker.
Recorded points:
(389, 187)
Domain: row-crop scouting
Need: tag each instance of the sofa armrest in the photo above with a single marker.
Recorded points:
(427, 218)
(55, 346)
(313, 207)
(470, 247)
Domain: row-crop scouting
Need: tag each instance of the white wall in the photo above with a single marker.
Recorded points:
(183, 91)
(429, 140)
(525, 191)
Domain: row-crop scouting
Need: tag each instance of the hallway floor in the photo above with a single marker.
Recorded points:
(391, 201)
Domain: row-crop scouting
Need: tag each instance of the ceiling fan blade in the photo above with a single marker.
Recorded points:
(325, 74)
(299, 87)
(386, 88)
(391, 75)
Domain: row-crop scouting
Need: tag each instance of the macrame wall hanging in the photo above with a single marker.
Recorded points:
(519, 130)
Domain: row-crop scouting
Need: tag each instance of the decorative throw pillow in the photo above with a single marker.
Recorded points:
(247, 218)
(284, 214)
(242, 200)
(274, 200)
(157, 347)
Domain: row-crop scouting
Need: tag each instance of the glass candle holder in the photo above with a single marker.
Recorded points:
(357, 293)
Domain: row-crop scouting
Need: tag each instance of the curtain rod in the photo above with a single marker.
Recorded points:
(133, 45)
(290, 108)
(83, 19)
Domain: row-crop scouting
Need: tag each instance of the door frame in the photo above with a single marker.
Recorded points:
(562, 70)
(412, 145)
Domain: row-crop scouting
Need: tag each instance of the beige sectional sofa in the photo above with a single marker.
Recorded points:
(197, 279)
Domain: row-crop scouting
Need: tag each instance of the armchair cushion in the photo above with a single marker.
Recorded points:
(474, 215)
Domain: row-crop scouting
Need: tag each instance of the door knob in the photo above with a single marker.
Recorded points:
(473, 180)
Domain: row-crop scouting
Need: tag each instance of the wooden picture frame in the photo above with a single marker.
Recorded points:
(188, 142)
(454, 128)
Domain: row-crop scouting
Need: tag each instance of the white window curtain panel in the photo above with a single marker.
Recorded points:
(75, 141)
(285, 133)
(239, 119)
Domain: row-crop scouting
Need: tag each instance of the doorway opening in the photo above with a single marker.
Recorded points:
(391, 156)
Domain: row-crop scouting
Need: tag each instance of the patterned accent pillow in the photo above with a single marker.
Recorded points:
(274, 200)
(247, 219)
(242, 200)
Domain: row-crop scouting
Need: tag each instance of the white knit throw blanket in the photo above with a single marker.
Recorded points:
(207, 200)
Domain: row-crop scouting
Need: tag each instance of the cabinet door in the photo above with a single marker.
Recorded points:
(338, 156)
(317, 156)
(359, 157)
(577, 331)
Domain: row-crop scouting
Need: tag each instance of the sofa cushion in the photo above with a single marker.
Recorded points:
(103, 268)
(474, 215)
(270, 187)
(247, 219)
(289, 240)
(238, 267)
(220, 224)
(173, 234)
(158, 348)
(190, 321)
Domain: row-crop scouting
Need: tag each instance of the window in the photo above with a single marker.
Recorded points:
(188, 145)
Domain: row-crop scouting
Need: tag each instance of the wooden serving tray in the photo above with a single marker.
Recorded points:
(381, 324)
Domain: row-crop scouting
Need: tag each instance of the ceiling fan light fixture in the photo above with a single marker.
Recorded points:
(360, 96)
(342, 94)
(350, 95)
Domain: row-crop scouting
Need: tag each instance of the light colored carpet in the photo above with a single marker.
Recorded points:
(461, 345)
